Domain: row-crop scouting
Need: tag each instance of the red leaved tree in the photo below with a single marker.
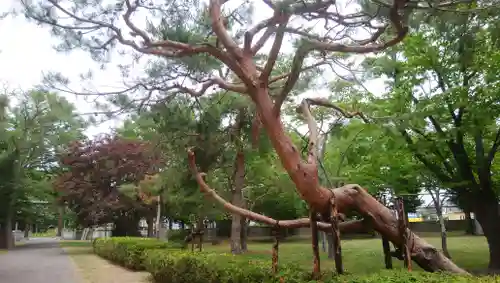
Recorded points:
(95, 171)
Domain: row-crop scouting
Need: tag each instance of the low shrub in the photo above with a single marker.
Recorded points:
(167, 263)
(128, 251)
(189, 267)
(177, 236)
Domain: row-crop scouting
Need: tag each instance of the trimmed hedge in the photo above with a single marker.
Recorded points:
(128, 251)
(167, 263)
(188, 267)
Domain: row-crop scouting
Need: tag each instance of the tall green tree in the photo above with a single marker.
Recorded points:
(35, 130)
(442, 102)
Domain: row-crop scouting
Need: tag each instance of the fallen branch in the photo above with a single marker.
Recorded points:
(353, 197)
(344, 227)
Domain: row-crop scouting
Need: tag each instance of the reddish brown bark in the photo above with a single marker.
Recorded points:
(337, 250)
(315, 246)
(350, 197)
(275, 250)
(403, 233)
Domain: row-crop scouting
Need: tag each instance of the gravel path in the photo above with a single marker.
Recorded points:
(39, 260)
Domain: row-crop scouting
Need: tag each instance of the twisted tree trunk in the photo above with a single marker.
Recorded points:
(350, 197)
(304, 173)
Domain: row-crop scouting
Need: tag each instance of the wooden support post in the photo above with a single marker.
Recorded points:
(337, 249)
(276, 234)
(387, 253)
(386, 245)
(315, 248)
(200, 235)
(192, 235)
(403, 232)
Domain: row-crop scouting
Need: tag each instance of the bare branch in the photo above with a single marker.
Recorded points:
(324, 102)
(211, 82)
(249, 35)
(396, 21)
(166, 48)
(126, 17)
(275, 49)
(345, 227)
(313, 131)
(256, 125)
(221, 32)
(293, 76)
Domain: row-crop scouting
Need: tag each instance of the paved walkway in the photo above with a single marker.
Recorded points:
(39, 260)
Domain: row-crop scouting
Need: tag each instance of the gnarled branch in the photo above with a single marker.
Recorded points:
(345, 227)
(326, 103)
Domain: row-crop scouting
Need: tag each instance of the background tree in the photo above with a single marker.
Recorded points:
(441, 103)
(95, 171)
(34, 131)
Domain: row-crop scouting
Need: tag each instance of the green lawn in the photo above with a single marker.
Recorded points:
(75, 243)
(366, 255)
(359, 256)
(50, 233)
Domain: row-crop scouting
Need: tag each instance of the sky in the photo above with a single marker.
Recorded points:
(26, 53)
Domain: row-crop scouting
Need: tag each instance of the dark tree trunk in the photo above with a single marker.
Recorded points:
(237, 199)
(244, 234)
(444, 239)
(331, 250)
(469, 230)
(150, 221)
(127, 226)
(236, 234)
(60, 210)
(487, 213)
(438, 205)
(322, 236)
(200, 227)
(6, 238)
(27, 228)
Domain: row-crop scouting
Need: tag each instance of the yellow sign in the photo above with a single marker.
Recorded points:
(419, 219)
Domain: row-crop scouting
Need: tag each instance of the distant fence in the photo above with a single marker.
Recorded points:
(258, 232)
(86, 234)
(223, 231)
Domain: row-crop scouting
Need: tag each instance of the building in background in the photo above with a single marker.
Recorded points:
(415, 217)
